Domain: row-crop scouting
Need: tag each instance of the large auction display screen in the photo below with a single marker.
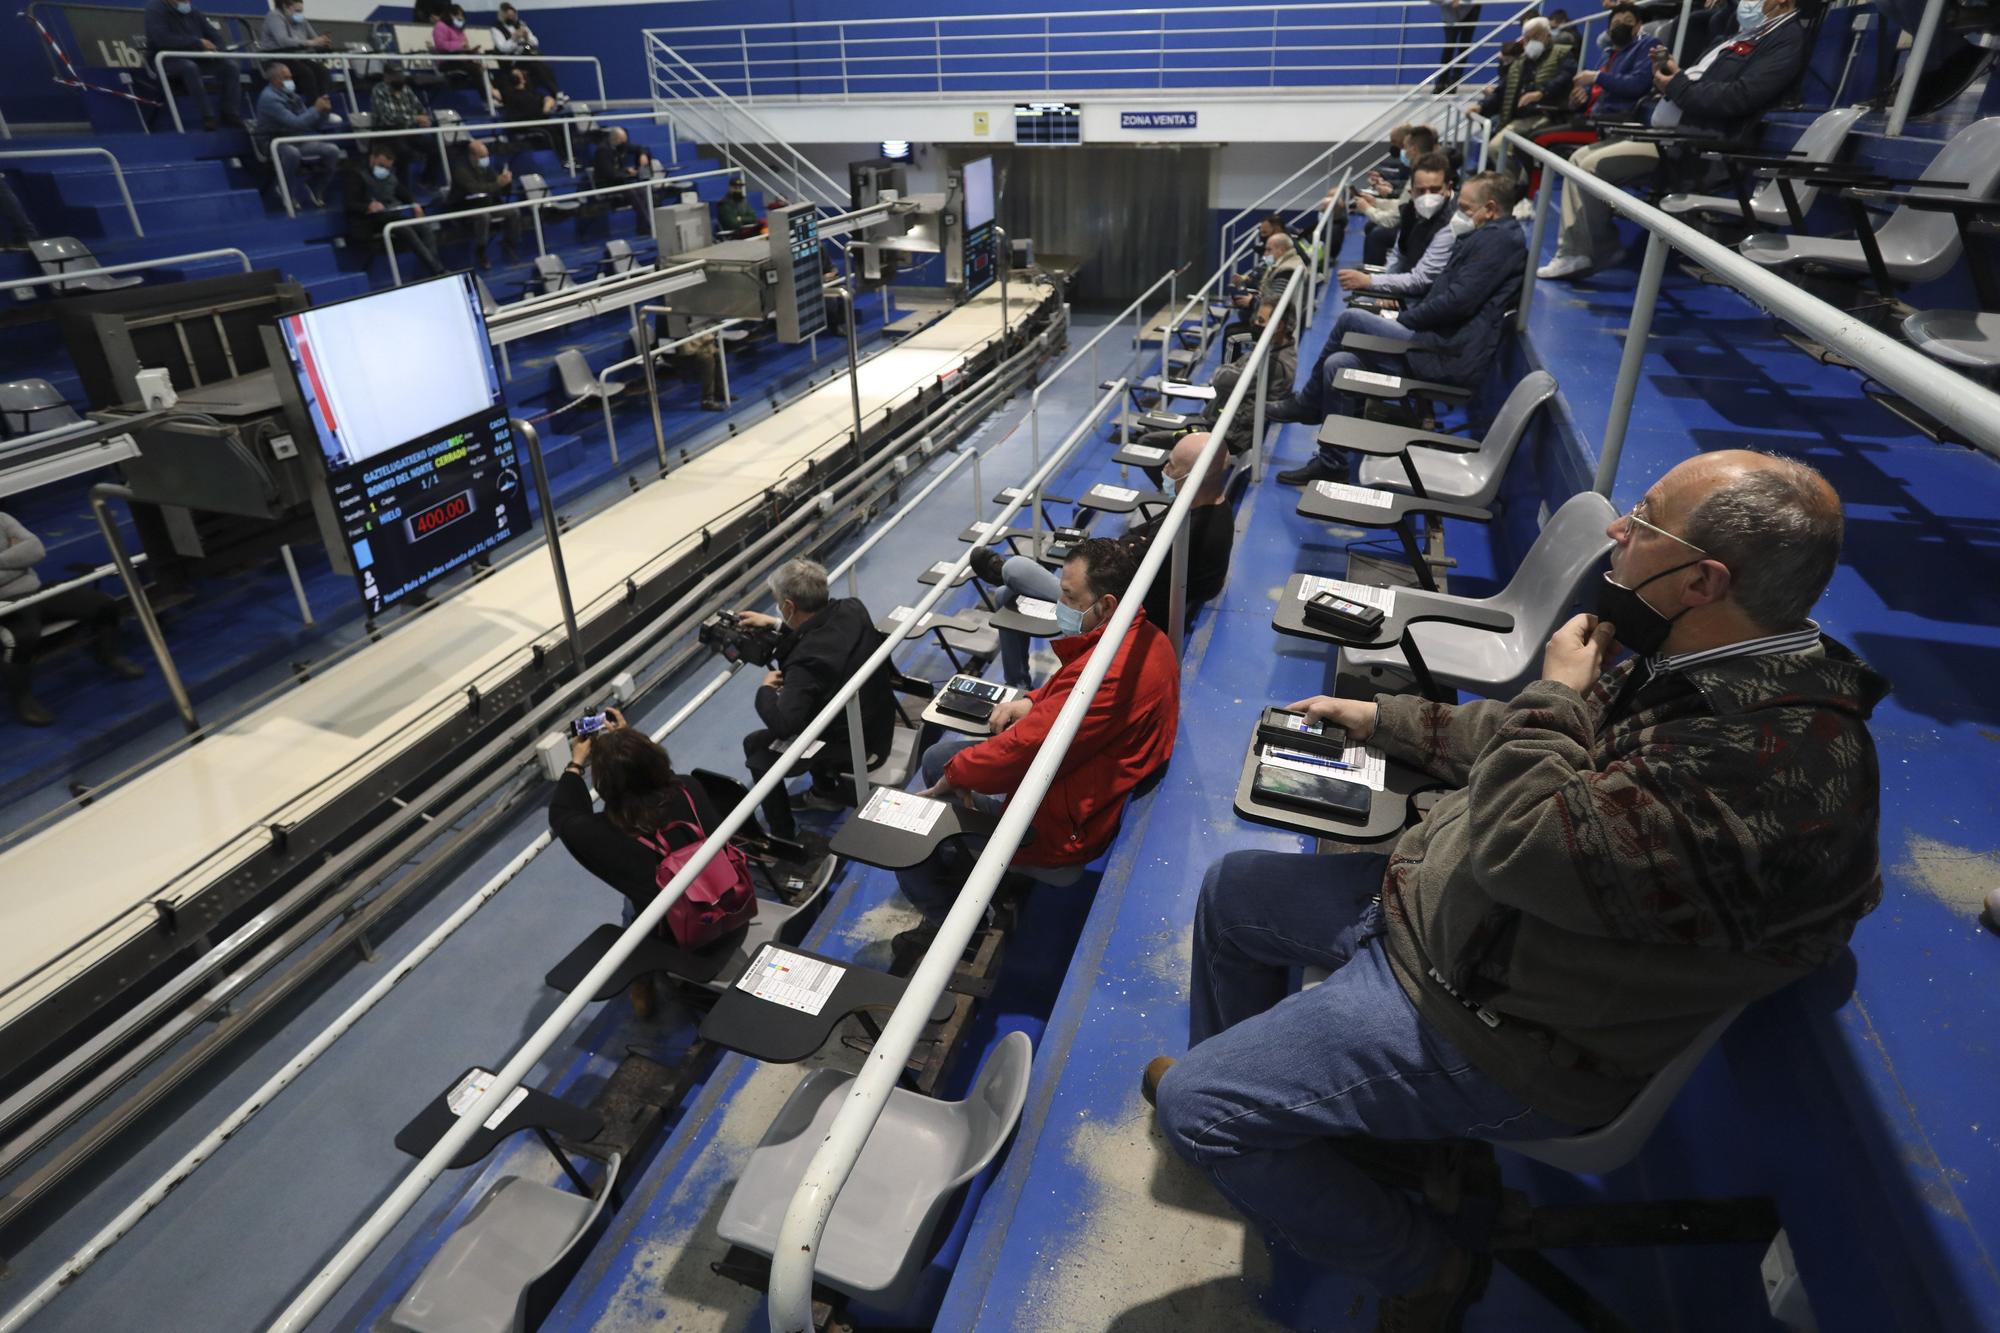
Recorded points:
(976, 179)
(402, 394)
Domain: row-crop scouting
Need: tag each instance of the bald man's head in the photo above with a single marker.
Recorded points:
(1774, 522)
(1180, 463)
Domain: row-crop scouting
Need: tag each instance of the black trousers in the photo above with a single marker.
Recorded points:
(24, 628)
(1457, 36)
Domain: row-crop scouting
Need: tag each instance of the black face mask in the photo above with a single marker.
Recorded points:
(1634, 622)
(1621, 36)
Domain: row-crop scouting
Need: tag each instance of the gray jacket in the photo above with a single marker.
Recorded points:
(20, 551)
(282, 33)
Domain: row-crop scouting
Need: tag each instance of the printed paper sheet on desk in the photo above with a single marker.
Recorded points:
(1365, 765)
(1035, 607)
(791, 979)
(1357, 495)
(1383, 599)
(472, 1087)
(903, 810)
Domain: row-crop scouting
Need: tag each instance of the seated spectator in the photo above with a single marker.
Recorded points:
(448, 32)
(824, 642)
(1452, 332)
(1608, 94)
(617, 162)
(1281, 260)
(735, 214)
(394, 105)
(1126, 735)
(375, 198)
(1735, 81)
(19, 227)
(176, 25)
(1631, 852)
(1211, 533)
(1423, 237)
(281, 112)
(21, 631)
(1531, 87)
(286, 29)
(649, 811)
(516, 99)
(513, 37)
(1380, 202)
(476, 183)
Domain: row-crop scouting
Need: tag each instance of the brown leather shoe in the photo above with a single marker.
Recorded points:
(1149, 1082)
(1439, 1305)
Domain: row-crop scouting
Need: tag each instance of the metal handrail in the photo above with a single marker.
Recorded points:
(495, 127)
(812, 1203)
(117, 172)
(166, 261)
(1954, 400)
(48, 590)
(484, 59)
(658, 350)
(835, 189)
(926, 41)
(514, 206)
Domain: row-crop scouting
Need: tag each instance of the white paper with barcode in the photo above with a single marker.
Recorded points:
(1383, 599)
(1115, 494)
(791, 979)
(1364, 764)
(472, 1087)
(1357, 495)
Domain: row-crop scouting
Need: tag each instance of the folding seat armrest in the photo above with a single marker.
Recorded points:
(1369, 342)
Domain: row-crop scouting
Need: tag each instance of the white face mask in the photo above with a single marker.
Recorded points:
(1462, 224)
(1533, 50)
(1427, 205)
(1749, 14)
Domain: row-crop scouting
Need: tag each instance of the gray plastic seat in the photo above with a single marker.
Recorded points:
(479, 1279)
(28, 407)
(1918, 245)
(487, 305)
(66, 254)
(1472, 478)
(920, 1153)
(1612, 1145)
(1551, 578)
(617, 257)
(552, 275)
(1968, 339)
(579, 382)
(534, 186)
(1821, 142)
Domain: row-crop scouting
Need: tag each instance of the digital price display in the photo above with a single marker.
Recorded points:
(1046, 123)
(796, 257)
(415, 514)
(400, 388)
(976, 180)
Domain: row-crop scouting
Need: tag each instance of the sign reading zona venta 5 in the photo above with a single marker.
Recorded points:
(1156, 120)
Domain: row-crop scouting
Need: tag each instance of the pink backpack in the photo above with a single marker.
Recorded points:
(718, 901)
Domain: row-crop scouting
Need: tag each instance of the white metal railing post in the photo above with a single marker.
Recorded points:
(117, 173)
(1537, 234)
(1681, 29)
(1644, 299)
(1913, 66)
(790, 1308)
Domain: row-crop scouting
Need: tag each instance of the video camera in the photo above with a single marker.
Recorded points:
(737, 642)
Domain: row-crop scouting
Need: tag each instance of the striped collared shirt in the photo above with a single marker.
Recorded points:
(1792, 641)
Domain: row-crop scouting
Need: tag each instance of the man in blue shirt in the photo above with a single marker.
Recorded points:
(282, 112)
(176, 25)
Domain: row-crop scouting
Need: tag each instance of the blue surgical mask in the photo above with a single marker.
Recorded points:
(1069, 620)
(183, 9)
(1749, 14)
(381, 173)
(1403, 156)
(458, 23)
(1168, 486)
(290, 85)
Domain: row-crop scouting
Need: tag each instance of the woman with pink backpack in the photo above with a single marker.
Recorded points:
(653, 822)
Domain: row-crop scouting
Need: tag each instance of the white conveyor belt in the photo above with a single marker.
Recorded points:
(80, 889)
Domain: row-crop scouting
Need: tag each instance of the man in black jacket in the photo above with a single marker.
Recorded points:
(1452, 332)
(1722, 94)
(824, 643)
(617, 163)
(375, 198)
(176, 25)
(477, 181)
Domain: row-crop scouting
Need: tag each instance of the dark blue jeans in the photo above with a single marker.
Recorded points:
(1321, 398)
(1272, 1077)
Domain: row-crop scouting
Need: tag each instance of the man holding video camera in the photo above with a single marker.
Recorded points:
(821, 643)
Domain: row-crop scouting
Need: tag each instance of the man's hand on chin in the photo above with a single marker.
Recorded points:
(1578, 651)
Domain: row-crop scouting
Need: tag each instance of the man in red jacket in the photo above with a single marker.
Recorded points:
(1127, 733)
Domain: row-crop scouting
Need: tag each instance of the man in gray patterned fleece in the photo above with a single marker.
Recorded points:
(1631, 852)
